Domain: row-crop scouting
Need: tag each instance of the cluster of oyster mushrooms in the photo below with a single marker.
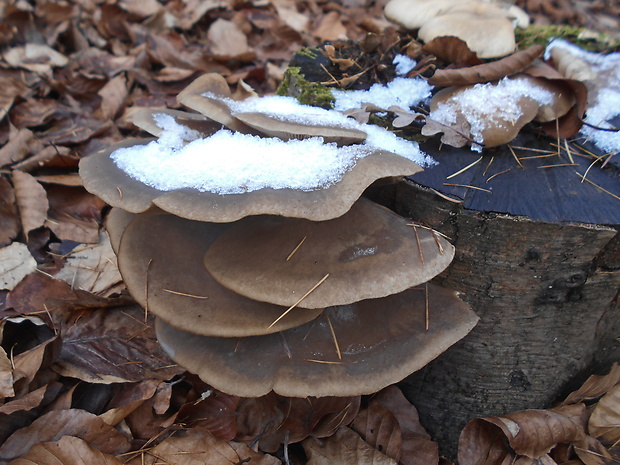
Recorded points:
(312, 291)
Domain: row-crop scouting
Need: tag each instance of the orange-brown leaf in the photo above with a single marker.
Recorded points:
(453, 50)
(532, 433)
(487, 72)
(379, 428)
(595, 386)
(31, 200)
(69, 450)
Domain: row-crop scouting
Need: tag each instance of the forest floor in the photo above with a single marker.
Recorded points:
(81, 372)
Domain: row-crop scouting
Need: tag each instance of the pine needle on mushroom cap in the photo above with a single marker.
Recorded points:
(179, 289)
(380, 342)
(369, 252)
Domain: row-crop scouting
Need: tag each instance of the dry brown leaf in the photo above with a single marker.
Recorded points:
(15, 263)
(455, 136)
(69, 450)
(568, 125)
(31, 200)
(532, 433)
(6, 376)
(453, 50)
(330, 27)
(217, 412)
(54, 425)
(20, 412)
(227, 39)
(379, 428)
(487, 72)
(21, 144)
(10, 89)
(113, 346)
(604, 423)
(594, 453)
(113, 97)
(197, 446)
(595, 386)
(344, 447)
(38, 58)
(9, 218)
(91, 267)
(417, 447)
(404, 117)
(128, 400)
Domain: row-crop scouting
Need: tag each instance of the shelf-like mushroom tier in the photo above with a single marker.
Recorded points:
(367, 253)
(349, 350)
(161, 260)
(102, 177)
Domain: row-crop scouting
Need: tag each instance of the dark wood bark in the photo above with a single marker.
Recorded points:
(545, 294)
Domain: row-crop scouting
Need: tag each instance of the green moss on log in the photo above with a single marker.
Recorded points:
(295, 85)
(584, 38)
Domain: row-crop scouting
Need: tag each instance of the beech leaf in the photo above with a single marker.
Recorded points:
(595, 386)
(346, 446)
(31, 201)
(487, 72)
(604, 422)
(379, 428)
(69, 450)
(15, 263)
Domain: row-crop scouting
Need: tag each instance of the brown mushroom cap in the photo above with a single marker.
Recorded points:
(381, 341)
(287, 130)
(103, 178)
(115, 223)
(201, 95)
(145, 119)
(369, 252)
(162, 254)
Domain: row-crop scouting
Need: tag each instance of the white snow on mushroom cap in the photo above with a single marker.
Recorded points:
(487, 105)
(605, 106)
(232, 163)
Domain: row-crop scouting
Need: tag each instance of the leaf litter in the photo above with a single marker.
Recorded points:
(81, 375)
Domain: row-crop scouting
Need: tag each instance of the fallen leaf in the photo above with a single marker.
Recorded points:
(21, 144)
(113, 97)
(487, 72)
(217, 413)
(330, 27)
(532, 433)
(9, 218)
(604, 423)
(55, 424)
(594, 453)
(10, 89)
(15, 263)
(595, 386)
(38, 58)
(456, 135)
(129, 399)
(227, 39)
(198, 447)
(113, 346)
(344, 447)
(91, 267)
(20, 412)
(6, 376)
(379, 428)
(68, 450)
(453, 50)
(31, 201)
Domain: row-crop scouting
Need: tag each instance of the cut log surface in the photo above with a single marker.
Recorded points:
(538, 259)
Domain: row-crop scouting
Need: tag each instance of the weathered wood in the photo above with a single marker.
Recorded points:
(541, 290)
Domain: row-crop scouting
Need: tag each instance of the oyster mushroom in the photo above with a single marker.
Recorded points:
(160, 259)
(369, 252)
(486, 27)
(350, 350)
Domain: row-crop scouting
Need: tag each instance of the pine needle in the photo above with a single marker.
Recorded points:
(299, 301)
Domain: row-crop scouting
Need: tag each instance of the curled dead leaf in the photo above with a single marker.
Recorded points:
(487, 72)
(532, 433)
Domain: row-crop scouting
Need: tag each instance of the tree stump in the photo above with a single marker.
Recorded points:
(538, 259)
